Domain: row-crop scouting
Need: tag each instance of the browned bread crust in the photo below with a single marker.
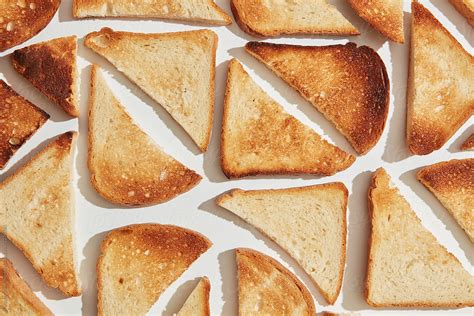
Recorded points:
(469, 143)
(466, 8)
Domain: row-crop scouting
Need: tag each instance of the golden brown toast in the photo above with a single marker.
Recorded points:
(197, 304)
(469, 143)
(466, 8)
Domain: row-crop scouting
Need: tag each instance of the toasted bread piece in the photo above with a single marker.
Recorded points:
(37, 213)
(440, 94)
(176, 69)
(268, 288)
(259, 137)
(127, 167)
(21, 20)
(200, 11)
(274, 18)
(19, 120)
(407, 266)
(384, 15)
(339, 314)
(452, 182)
(469, 143)
(466, 8)
(51, 67)
(307, 222)
(322, 75)
(16, 297)
(139, 262)
(197, 303)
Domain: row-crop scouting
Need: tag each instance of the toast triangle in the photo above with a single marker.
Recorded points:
(139, 262)
(321, 74)
(126, 166)
(38, 209)
(278, 143)
(452, 182)
(51, 67)
(175, 69)
(466, 8)
(440, 95)
(197, 304)
(469, 143)
(407, 266)
(267, 288)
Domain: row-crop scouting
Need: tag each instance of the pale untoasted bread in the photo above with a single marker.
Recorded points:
(16, 297)
(126, 165)
(466, 8)
(308, 222)
(200, 11)
(268, 288)
(51, 67)
(139, 262)
(197, 303)
(259, 137)
(38, 213)
(384, 15)
(21, 20)
(19, 120)
(322, 75)
(469, 143)
(407, 266)
(452, 182)
(176, 69)
(440, 95)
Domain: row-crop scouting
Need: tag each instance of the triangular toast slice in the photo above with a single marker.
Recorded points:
(176, 69)
(37, 213)
(200, 11)
(440, 95)
(322, 75)
(51, 67)
(126, 166)
(307, 222)
(466, 8)
(274, 18)
(19, 120)
(197, 304)
(268, 288)
(469, 143)
(16, 297)
(407, 266)
(139, 262)
(259, 137)
(452, 182)
(384, 15)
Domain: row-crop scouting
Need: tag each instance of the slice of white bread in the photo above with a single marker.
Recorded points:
(139, 262)
(176, 69)
(469, 143)
(126, 166)
(268, 288)
(197, 304)
(37, 212)
(16, 297)
(440, 95)
(51, 67)
(259, 137)
(200, 11)
(322, 75)
(407, 266)
(466, 8)
(452, 182)
(307, 222)
(384, 15)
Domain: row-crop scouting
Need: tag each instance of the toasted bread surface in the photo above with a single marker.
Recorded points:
(139, 262)
(440, 94)
(197, 304)
(127, 167)
(322, 75)
(19, 120)
(274, 18)
(21, 20)
(51, 67)
(469, 143)
(466, 8)
(200, 11)
(268, 288)
(278, 143)
(307, 222)
(407, 266)
(176, 69)
(452, 182)
(38, 209)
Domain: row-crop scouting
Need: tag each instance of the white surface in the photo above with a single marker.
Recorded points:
(196, 209)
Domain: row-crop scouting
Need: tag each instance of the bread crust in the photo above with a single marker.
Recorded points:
(469, 143)
(203, 294)
(465, 8)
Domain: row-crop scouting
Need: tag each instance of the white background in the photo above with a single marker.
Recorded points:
(196, 209)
